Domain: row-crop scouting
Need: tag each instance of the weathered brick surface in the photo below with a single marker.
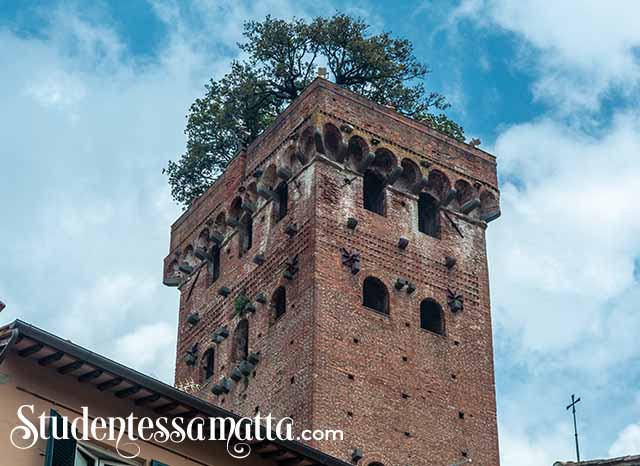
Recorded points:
(396, 390)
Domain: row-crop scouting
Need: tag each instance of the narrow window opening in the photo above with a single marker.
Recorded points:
(208, 364)
(428, 215)
(375, 295)
(279, 303)
(282, 201)
(214, 264)
(373, 192)
(241, 341)
(431, 316)
(246, 234)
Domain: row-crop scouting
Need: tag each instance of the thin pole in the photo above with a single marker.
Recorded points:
(575, 424)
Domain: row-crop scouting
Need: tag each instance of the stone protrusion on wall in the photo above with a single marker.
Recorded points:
(455, 301)
(220, 334)
(291, 268)
(403, 243)
(224, 291)
(246, 368)
(470, 206)
(261, 298)
(449, 196)
(172, 281)
(266, 193)
(394, 175)
(192, 356)
(346, 128)
(357, 454)
(490, 216)
(284, 173)
(236, 374)
(366, 162)
(216, 237)
(254, 358)
(193, 318)
(450, 262)
(249, 206)
(400, 283)
(351, 260)
(259, 259)
(233, 222)
(291, 229)
(185, 267)
(200, 253)
(411, 287)
(420, 185)
(352, 223)
(222, 387)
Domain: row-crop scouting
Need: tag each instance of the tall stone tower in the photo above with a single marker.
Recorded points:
(337, 274)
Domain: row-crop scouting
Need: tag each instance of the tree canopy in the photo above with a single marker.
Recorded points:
(282, 59)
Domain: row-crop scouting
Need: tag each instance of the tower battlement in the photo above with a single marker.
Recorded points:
(337, 273)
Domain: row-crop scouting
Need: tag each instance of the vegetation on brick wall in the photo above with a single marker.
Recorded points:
(283, 57)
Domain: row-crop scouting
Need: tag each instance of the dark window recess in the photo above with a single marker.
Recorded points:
(282, 201)
(279, 302)
(208, 364)
(431, 316)
(59, 452)
(246, 234)
(375, 295)
(428, 215)
(214, 264)
(241, 341)
(373, 192)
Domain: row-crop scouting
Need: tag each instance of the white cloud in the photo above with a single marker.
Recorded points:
(627, 443)
(521, 449)
(584, 49)
(570, 232)
(148, 346)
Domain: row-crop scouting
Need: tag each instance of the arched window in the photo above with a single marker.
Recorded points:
(373, 192)
(279, 302)
(428, 215)
(431, 316)
(240, 346)
(282, 201)
(375, 295)
(246, 233)
(214, 264)
(208, 364)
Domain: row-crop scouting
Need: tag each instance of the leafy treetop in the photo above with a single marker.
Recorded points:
(282, 60)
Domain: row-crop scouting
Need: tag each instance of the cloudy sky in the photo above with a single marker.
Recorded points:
(92, 104)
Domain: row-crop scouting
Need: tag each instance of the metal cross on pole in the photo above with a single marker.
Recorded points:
(575, 401)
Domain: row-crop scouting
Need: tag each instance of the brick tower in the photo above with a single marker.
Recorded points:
(337, 273)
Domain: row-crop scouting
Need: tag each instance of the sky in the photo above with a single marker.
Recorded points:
(93, 97)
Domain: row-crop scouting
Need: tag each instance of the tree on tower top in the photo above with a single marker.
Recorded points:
(283, 59)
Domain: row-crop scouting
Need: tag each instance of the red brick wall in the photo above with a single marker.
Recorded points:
(440, 376)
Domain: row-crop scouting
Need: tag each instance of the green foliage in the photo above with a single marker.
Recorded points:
(240, 304)
(282, 58)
